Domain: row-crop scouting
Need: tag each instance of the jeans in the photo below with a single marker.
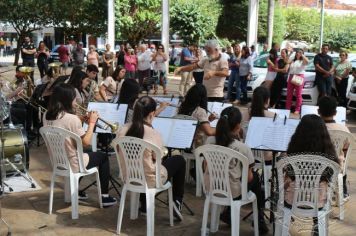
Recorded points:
(298, 93)
(142, 74)
(243, 86)
(341, 87)
(234, 79)
(100, 160)
(42, 67)
(324, 85)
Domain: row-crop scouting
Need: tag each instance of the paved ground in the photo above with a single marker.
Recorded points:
(27, 213)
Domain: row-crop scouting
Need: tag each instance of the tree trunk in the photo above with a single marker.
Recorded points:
(270, 22)
(18, 49)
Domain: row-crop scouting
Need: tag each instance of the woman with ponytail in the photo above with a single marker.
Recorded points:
(61, 113)
(172, 168)
(227, 135)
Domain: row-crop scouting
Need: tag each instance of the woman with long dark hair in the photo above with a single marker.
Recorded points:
(280, 81)
(80, 81)
(61, 113)
(110, 88)
(129, 93)
(297, 68)
(260, 103)
(172, 167)
(245, 71)
(159, 58)
(310, 137)
(271, 64)
(195, 104)
(227, 135)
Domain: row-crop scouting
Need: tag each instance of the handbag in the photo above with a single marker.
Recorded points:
(297, 80)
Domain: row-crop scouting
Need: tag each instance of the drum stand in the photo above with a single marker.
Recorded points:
(2, 175)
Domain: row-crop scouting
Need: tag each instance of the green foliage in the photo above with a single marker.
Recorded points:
(137, 19)
(279, 27)
(190, 23)
(232, 23)
(80, 16)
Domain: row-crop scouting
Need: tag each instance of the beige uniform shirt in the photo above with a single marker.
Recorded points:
(153, 136)
(215, 85)
(112, 87)
(235, 170)
(71, 123)
(202, 116)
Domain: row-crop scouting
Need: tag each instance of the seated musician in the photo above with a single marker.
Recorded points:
(93, 90)
(129, 92)
(327, 111)
(172, 167)
(311, 136)
(21, 112)
(195, 104)
(61, 113)
(227, 135)
(110, 88)
(80, 81)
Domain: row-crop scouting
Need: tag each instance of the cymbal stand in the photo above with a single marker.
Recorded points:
(11, 125)
(3, 174)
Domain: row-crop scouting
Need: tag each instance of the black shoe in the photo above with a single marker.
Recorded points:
(226, 216)
(82, 195)
(108, 201)
(177, 212)
(262, 227)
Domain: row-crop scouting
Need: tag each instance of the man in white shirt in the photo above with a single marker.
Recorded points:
(144, 58)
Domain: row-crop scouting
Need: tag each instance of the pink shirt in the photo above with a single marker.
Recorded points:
(130, 62)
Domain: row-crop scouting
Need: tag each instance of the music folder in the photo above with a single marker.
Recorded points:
(111, 112)
(339, 118)
(266, 133)
(217, 108)
(176, 133)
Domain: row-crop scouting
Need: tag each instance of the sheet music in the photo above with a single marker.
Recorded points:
(176, 133)
(217, 108)
(281, 112)
(339, 118)
(169, 111)
(265, 134)
(173, 101)
(110, 112)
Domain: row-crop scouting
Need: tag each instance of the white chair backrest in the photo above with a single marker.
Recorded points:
(131, 150)
(307, 170)
(339, 138)
(218, 159)
(55, 139)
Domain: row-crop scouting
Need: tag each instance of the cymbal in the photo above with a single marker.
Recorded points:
(26, 69)
(55, 64)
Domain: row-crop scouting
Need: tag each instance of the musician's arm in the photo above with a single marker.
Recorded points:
(102, 92)
(87, 137)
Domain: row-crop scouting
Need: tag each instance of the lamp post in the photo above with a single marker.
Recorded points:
(111, 23)
(165, 27)
(321, 23)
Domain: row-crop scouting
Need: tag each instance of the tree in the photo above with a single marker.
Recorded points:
(232, 23)
(270, 17)
(137, 19)
(25, 16)
(80, 16)
(190, 23)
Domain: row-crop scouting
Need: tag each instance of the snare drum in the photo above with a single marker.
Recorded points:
(16, 143)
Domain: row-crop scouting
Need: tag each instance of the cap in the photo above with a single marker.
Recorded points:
(80, 43)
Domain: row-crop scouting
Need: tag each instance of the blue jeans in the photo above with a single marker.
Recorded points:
(243, 86)
(324, 85)
(234, 78)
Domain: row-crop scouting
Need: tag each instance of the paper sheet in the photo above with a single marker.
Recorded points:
(169, 111)
(110, 112)
(339, 118)
(265, 134)
(176, 133)
(217, 108)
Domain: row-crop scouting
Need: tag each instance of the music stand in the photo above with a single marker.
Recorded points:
(110, 112)
(177, 134)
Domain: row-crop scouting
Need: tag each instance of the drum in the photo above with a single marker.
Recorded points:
(16, 144)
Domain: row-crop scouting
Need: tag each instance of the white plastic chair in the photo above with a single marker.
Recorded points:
(308, 170)
(55, 139)
(339, 138)
(131, 150)
(190, 157)
(219, 194)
